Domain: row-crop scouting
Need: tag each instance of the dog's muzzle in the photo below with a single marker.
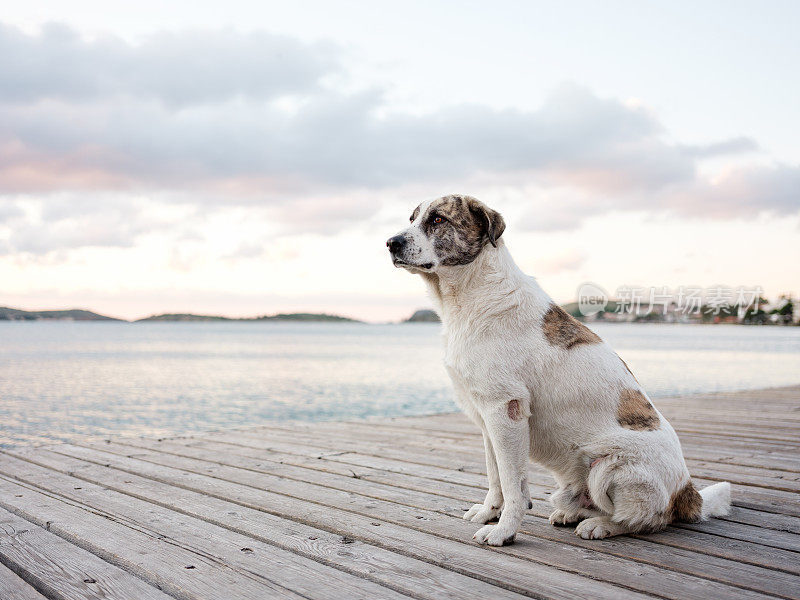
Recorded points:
(397, 246)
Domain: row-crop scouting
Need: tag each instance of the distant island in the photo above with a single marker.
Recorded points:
(14, 314)
(780, 313)
(183, 317)
(313, 317)
(306, 317)
(423, 316)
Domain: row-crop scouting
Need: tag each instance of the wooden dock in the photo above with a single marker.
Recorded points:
(373, 510)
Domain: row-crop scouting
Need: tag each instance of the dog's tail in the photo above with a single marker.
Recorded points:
(716, 500)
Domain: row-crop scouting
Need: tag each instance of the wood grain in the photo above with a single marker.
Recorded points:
(58, 568)
(371, 509)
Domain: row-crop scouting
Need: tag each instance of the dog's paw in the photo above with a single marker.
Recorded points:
(480, 513)
(494, 535)
(560, 518)
(595, 528)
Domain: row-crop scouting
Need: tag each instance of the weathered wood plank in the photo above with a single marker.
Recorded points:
(13, 587)
(701, 449)
(285, 568)
(558, 553)
(60, 569)
(402, 573)
(371, 509)
(760, 498)
(177, 571)
(444, 455)
(433, 499)
(456, 474)
(542, 483)
(472, 437)
(496, 566)
(453, 424)
(401, 478)
(473, 448)
(255, 460)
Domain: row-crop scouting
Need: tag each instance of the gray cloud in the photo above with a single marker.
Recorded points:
(9, 210)
(197, 108)
(739, 193)
(744, 191)
(66, 223)
(735, 145)
(95, 123)
(178, 69)
(332, 140)
(219, 118)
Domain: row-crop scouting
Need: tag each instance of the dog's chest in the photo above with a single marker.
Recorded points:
(456, 353)
(466, 360)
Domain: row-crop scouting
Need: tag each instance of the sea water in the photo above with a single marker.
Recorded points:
(60, 379)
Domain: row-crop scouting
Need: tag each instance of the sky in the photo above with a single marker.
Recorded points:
(244, 158)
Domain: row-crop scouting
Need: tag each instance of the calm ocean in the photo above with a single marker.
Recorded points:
(59, 380)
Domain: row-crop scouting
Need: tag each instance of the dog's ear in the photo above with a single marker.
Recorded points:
(491, 219)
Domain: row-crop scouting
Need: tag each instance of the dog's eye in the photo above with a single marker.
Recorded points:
(438, 220)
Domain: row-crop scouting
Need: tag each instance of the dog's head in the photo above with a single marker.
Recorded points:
(448, 231)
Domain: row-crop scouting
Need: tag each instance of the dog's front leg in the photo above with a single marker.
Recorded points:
(508, 430)
(493, 504)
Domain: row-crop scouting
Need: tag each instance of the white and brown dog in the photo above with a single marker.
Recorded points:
(540, 384)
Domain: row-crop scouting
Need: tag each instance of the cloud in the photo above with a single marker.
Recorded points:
(178, 69)
(732, 146)
(9, 211)
(67, 222)
(218, 119)
(250, 112)
(740, 192)
(333, 140)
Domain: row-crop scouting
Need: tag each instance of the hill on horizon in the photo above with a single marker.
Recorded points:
(315, 317)
(423, 315)
(73, 314)
(183, 317)
(305, 317)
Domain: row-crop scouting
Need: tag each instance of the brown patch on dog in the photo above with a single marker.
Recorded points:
(491, 221)
(635, 411)
(686, 504)
(563, 330)
(514, 411)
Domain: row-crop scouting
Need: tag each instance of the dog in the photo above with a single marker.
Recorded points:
(542, 386)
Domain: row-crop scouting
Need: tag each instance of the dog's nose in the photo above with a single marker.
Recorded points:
(396, 243)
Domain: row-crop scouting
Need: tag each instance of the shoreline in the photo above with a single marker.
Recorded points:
(359, 322)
